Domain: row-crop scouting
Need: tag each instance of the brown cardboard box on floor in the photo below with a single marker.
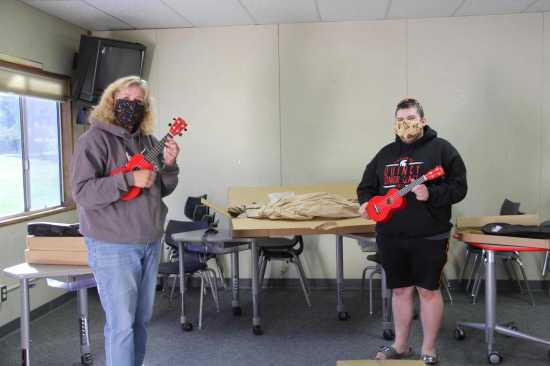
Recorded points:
(381, 363)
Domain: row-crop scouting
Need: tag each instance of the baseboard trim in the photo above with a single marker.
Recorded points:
(355, 284)
(36, 313)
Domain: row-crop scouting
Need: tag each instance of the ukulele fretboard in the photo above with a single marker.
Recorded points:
(152, 155)
(403, 191)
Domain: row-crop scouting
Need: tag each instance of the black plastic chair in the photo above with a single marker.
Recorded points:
(194, 264)
(195, 210)
(287, 250)
(507, 208)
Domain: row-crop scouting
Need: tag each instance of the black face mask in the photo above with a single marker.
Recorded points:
(129, 113)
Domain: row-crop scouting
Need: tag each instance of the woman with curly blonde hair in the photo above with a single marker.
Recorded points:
(123, 237)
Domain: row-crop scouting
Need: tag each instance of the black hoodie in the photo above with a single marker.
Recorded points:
(396, 165)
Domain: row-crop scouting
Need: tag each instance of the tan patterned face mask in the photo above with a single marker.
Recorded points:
(409, 129)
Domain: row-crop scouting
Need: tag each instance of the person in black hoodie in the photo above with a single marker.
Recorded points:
(413, 244)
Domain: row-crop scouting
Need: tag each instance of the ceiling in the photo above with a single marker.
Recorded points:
(97, 15)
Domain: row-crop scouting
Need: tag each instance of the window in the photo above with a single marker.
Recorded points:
(35, 146)
(29, 154)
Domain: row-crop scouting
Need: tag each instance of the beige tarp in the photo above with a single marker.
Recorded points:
(305, 206)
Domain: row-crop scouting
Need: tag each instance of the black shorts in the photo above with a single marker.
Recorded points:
(413, 262)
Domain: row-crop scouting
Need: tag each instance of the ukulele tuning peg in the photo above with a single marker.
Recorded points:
(185, 129)
(170, 124)
(181, 134)
(173, 119)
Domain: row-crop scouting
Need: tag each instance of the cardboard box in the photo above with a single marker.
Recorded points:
(381, 363)
(75, 258)
(57, 243)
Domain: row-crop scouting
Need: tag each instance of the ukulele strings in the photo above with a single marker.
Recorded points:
(403, 191)
(155, 151)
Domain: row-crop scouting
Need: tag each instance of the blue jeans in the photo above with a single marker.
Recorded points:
(126, 276)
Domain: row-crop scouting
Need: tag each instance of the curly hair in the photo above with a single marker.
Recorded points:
(104, 110)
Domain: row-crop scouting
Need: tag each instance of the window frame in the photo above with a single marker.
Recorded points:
(66, 145)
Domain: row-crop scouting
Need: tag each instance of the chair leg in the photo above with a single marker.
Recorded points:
(466, 261)
(475, 277)
(170, 299)
(209, 284)
(447, 287)
(164, 280)
(375, 271)
(475, 267)
(263, 267)
(296, 262)
(214, 287)
(477, 284)
(363, 276)
(220, 271)
(525, 281)
(302, 273)
(201, 298)
(512, 272)
(545, 265)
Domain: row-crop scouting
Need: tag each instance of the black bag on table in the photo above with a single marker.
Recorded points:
(523, 231)
(53, 229)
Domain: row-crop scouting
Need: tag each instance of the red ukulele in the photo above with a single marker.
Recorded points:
(381, 208)
(144, 161)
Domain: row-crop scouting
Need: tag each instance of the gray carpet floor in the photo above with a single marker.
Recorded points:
(294, 334)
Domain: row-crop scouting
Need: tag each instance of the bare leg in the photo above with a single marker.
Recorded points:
(403, 308)
(431, 316)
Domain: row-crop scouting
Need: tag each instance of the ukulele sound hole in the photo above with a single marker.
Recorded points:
(389, 201)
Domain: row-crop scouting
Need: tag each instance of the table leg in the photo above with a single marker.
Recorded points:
(25, 323)
(340, 308)
(186, 325)
(235, 303)
(490, 301)
(86, 357)
(490, 326)
(256, 321)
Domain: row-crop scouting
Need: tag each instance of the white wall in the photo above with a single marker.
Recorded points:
(311, 103)
(481, 82)
(31, 34)
(545, 131)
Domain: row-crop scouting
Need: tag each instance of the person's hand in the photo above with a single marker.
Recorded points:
(144, 178)
(363, 210)
(421, 192)
(171, 151)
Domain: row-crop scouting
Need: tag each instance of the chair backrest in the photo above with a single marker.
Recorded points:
(175, 226)
(298, 239)
(194, 209)
(509, 208)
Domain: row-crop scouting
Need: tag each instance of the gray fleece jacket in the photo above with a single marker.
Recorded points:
(103, 215)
